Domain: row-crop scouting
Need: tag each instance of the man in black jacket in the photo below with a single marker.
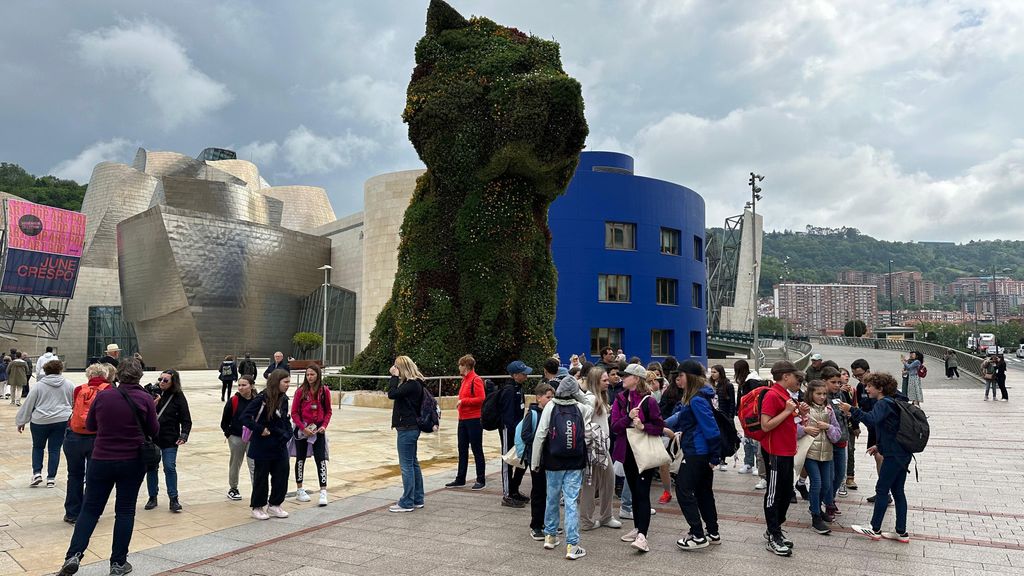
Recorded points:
(511, 404)
(247, 367)
(278, 363)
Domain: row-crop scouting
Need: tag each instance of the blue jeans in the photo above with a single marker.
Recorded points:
(891, 479)
(564, 483)
(170, 459)
(102, 477)
(626, 500)
(50, 437)
(750, 448)
(991, 384)
(77, 451)
(838, 467)
(412, 477)
(820, 474)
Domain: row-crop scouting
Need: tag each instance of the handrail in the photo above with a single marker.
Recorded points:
(967, 362)
(440, 379)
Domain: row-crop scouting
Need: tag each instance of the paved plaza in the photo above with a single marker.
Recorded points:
(966, 515)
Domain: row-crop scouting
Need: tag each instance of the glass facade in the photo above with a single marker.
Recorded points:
(341, 324)
(601, 338)
(670, 241)
(668, 291)
(661, 343)
(619, 236)
(213, 154)
(107, 326)
(613, 288)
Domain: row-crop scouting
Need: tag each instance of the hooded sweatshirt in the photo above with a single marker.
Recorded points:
(696, 421)
(567, 394)
(48, 402)
(42, 362)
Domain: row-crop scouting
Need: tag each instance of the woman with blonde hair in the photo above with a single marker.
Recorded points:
(602, 477)
(406, 388)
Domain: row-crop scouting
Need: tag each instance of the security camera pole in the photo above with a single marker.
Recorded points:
(755, 195)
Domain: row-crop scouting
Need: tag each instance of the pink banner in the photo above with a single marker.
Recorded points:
(44, 229)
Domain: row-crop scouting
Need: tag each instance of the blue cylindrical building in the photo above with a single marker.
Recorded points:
(630, 257)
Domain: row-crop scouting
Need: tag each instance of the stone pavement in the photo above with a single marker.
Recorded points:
(966, 517)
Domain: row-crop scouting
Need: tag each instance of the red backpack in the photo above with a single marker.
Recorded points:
(80, 411)
(750, 413)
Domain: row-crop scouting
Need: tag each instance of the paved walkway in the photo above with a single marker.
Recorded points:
(966, 517)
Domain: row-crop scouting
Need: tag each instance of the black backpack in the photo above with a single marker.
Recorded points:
(566, 446)
(730, 439)
(913, 430)
(429, 418)
(490, 413)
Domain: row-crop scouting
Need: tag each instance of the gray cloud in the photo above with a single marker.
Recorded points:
(899, 118)
(80, 167)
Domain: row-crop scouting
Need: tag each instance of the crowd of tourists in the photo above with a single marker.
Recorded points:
(602, 433)
(595, 440)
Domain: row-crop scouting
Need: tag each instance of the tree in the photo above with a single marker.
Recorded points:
(855, 329)
(307, 341)
(769, 325)
(47, 190)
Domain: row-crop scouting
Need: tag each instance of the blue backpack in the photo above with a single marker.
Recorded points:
(566, 446)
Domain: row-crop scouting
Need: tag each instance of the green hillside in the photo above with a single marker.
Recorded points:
(48, 190)
(817, 254)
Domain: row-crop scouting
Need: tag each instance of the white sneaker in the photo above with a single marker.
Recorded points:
(323, 498)
(641, 543)
(625, 514)
(723, 466)
(276, 512)
(587, 525)
(745, 469)
(260, 514)
(630, 536)
(301, 495)
(761, 484)
(653, 512)
(574, 551)
(612, 523)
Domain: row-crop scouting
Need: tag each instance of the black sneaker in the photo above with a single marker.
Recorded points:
(70, 566)
(174, 505)
(714, 538)
(519, 497)
(455, 484)
(871, 499)
(234, 495)
(70, 519)
(778, 547)
(120, 569)
(785, 540)
(151, 503)
(792, 499)
(802, 489)
(511, 503)
(537, 534)
(479, 486)
(819, 526)
(692, 543)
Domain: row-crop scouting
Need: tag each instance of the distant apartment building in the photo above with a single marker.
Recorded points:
(942, 316)
(907, 286)
(823, 308)
(980, 294)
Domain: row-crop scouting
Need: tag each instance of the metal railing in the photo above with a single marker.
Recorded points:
(428, 379)
(966, 362)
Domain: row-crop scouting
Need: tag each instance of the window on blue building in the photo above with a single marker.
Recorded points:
(697, 295)
(613, 288)
(661, 342)
(670, 241)
(698, 248)
(619, 236)
(668, 291)
(601, 338)
(696, 344)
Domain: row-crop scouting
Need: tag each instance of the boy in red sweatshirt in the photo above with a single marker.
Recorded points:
(471, 432)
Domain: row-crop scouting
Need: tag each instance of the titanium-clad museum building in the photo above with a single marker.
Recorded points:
(187, 260)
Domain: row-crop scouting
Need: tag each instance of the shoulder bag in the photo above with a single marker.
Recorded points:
(648, 450)
(148, 451)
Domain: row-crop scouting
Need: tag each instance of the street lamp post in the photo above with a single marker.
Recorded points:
(891, 312)
(755, 195)
(995, 311)
(327, 270)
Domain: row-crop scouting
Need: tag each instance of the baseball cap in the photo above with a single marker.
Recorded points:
(518, 367)
(636, 370)
(815, 357)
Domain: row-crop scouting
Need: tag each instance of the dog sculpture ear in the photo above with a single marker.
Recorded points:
(441, 17)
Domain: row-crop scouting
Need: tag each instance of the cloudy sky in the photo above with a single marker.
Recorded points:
(893, 117)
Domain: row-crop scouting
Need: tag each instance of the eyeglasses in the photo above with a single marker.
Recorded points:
(168, 380)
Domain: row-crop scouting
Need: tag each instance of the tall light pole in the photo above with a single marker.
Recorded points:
(327, 270)
(891, 313)
(995, 312)
(755, 195)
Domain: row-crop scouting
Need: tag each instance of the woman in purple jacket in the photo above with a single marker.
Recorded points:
(636, 408)
(115, 462)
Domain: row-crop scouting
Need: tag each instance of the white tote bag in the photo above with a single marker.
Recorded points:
(648, 450)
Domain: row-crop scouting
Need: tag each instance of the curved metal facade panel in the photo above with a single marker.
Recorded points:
(241, 284)
(115, 192)
(305, 207)
(219, 198)
(604, 190)
(242, 169)
(157, 164)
